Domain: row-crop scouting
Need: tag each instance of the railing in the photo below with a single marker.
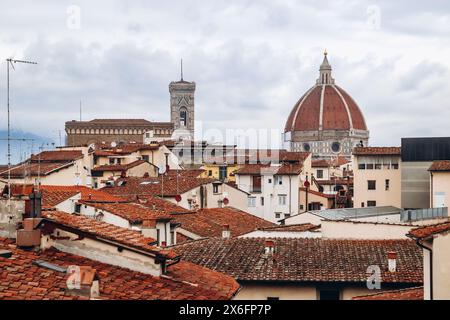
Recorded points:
(424, 214)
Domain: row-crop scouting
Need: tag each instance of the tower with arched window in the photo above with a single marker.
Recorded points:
(182, 105)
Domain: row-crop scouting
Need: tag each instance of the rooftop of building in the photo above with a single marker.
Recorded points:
(306, 259)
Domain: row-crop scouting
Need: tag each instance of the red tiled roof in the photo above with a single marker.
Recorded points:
(53, 195)
(317, 193)
(376, 151)
(18, 190)
(442, 165)
(118, 167)
(293, 227)
(193, 173)
(157, 203)
(165, 185)
(99, 229)
(34, 169)
(323, 163)
(260, 169)
(402, 294)
(306, 259)
(57, 156)
(210, 222)
(133, 212)
(21, 279)
(428, 231)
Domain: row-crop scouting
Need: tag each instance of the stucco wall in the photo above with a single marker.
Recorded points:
(383, 197)
(355, 230)
(440, 189)
(441, 267)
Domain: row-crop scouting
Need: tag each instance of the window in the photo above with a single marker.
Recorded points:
(146, 158)
(216, 188)
(320, 174)
(252, 202)
(329, 295)
(279, 180)
(362, 166)
(336, 147)
(277, 215)
(222, 172)
(378, 166)
(287, 215)
(282, 199)
(371, 203)
(269, 181)
(386, 184)
(371, 184)
(395, 166)
(273, 298)
(183, 117)
(78, 208)
(369, 166)
(209, 173)
(256, 184)
(111, 160)
(262, 201)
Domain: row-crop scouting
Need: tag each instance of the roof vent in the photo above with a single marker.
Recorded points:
(50, 266)
(226, 233)
(5, 254)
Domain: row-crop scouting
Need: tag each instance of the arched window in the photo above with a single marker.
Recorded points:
(183, 116)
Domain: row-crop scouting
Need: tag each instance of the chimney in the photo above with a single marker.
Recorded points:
(29, 236)
(83, 281)
(269, 247)
(226, 233)
(392, 261)
(35, 203)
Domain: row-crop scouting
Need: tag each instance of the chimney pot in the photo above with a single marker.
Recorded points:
(269, 246)
(226, 233)
(392, 261)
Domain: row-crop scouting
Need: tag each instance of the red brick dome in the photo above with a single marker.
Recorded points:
(325, 106)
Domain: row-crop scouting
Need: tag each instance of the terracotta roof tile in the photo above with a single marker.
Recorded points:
(57, 156)
(402, 294)
(118, 167)
(307, 259)
(34, 169)
(211, 222)
(293, 227)
(20, 278)
(361, 151)
(261, 169)
(165, 185)
(442, 165)
(133, 212)
(95, 228)
(428, 231)
(53, 195)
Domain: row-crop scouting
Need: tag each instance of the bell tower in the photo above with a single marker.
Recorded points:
(182, 104)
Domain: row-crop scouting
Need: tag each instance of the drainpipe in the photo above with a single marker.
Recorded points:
(290, 195)
(431, 266)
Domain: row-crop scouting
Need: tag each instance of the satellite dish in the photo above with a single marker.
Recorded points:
(113, 144)
(162, 169)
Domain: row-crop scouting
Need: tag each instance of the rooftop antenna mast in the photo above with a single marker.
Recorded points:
(9, 62)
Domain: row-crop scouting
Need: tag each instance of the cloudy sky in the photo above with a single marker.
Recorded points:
(251, 60)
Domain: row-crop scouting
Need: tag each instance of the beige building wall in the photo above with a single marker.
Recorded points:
(286, 291)
(358, 230)
(441, 267)
(440, 189)
(383, 197)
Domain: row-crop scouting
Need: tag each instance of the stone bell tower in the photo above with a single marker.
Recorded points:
(182, 104)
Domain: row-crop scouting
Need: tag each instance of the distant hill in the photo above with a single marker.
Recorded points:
(20, 150)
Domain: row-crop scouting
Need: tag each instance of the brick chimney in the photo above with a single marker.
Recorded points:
(29, 236)
(226, 233)
(392, 261)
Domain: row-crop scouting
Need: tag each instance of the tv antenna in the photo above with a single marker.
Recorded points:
(11, 62)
